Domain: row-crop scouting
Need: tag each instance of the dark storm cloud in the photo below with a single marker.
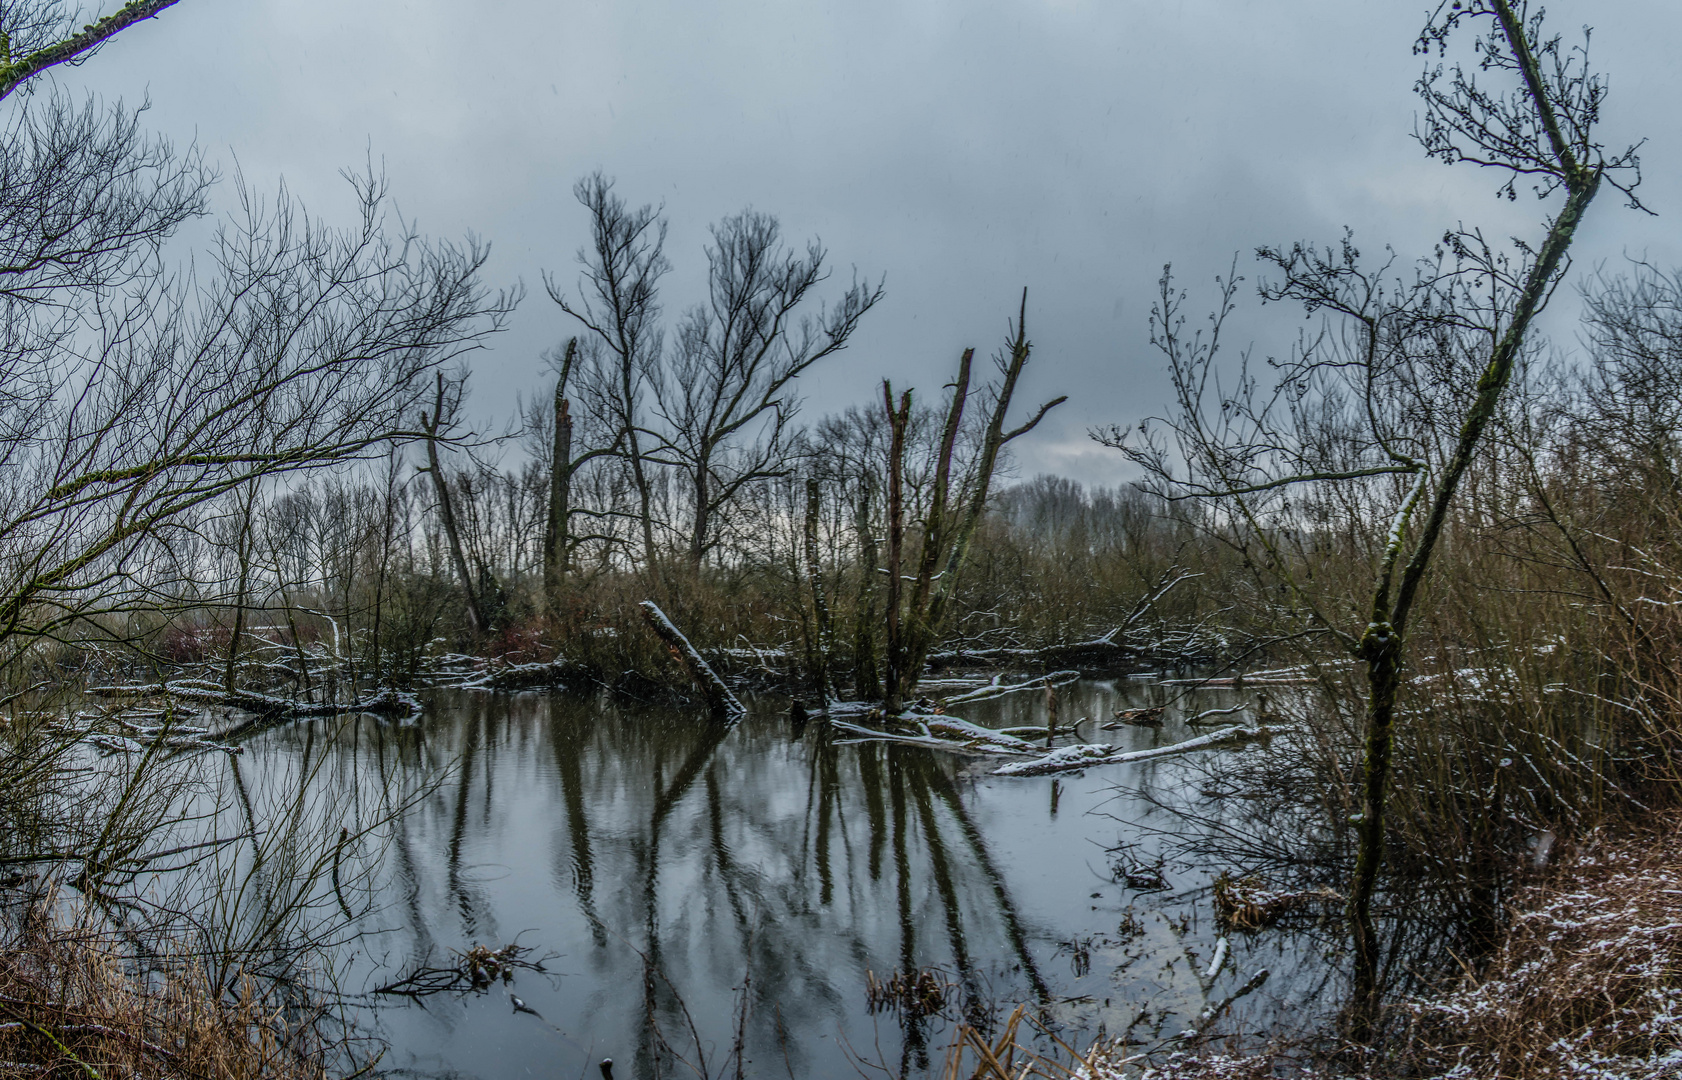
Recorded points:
(964, 149)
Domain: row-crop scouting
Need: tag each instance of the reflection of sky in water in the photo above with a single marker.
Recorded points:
(596, 832)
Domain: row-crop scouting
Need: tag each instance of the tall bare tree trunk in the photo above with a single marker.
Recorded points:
(1382, 644)
(867, 681)
(947, 545)
(918, 629)
(447, 514)
(557, 536)
(825, 644)
(242, 552)
(703, 519)
(639, 474)
(898, 421)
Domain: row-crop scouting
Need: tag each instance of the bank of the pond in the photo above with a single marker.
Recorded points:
(1585, 983)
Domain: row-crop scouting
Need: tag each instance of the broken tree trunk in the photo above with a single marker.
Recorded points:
(555, 536)
(446, 512)
(947, 542)
(721, 703)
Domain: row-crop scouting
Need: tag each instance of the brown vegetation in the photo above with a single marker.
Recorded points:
(71, 1005)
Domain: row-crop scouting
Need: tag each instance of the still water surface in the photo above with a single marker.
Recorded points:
(675, 869)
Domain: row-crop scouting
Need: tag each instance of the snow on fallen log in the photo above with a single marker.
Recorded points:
(1088, 755)
(203, 691)
(266, 710)
(1206, 716)
(122, 744)
(950, 727)
(987, 693)
(720, 701)
(557, 672)
(960, 737)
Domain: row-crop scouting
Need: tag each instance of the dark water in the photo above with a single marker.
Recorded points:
(680, 872)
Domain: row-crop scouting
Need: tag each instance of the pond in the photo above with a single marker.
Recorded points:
(697, 888)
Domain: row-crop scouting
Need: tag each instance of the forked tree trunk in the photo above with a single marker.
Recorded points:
(946, 544)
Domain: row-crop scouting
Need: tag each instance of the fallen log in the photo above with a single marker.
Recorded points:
(987, 693)
(559, 672)
(1100, 652)
(265, 710)
(941, 733)
(122, 744)
(1206, 717)
(721, 703)
(1088, 755)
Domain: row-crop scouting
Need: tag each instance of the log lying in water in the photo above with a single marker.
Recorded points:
(266, 710)
(1099, 652)
(557, 672)
(940, 733)
(1087, 755)
(721, 702)
(986, 693)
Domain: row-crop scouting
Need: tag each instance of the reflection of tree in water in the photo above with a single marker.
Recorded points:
(720, 855)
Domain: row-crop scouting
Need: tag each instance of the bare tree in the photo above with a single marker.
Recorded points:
(916, 623)
(725, 392)
(443, 412)
(303, 346)
(1380, 415)
(619, 307)
(722, 391)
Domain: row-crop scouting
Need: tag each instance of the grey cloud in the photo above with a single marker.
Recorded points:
(963, 149)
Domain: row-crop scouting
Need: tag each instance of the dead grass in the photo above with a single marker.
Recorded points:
(1588, 981)
(70, 1007)
(1247, 904)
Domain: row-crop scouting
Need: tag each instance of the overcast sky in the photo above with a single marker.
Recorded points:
(962, 148)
